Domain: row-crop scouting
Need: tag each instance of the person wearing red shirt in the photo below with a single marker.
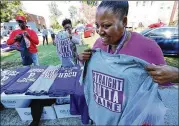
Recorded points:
(29, 34)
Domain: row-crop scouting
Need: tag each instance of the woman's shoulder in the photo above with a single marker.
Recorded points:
(142, 40)
(149, 47)
(98, 44)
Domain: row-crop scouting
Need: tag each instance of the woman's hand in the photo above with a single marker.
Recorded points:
(163, 73)
(84, 56)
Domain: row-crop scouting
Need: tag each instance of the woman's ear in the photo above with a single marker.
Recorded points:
(125, 21)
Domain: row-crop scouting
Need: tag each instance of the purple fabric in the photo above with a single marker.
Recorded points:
(65, 82)
(140, 47)
(78, 106)
(11, 76)
(42, 85)
(79, 89)
(25, 81)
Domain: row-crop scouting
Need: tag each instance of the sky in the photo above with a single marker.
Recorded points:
(41, 8)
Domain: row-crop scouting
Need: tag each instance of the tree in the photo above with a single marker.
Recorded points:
(55, 14)
(88, 15)
(9, 10)
(54, 9)
(73, 12)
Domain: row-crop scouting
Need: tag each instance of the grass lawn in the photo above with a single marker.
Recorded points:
(47, 55)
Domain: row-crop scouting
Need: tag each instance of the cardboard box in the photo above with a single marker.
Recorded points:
(61, 101)
(25, 113)
(18, 103)
(63, 111)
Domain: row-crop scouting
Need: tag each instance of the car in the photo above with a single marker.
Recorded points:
(89, 31)
(166, 37)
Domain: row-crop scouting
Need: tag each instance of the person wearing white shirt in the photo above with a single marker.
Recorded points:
(45, 34)
(52, 34)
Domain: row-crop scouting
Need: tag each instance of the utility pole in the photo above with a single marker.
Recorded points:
(173, 12)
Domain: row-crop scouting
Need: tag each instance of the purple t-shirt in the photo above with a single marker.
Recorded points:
(25, 81)
(8, 77)
(140, 47)
(65, 82)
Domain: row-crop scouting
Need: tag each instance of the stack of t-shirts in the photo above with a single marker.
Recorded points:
(10, 76)
(26, 80)
(44, 82)
(65, 82)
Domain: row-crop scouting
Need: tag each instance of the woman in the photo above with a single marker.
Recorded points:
(111, 20)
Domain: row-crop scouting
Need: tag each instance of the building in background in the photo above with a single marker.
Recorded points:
(38, 20)
(149, 12)
(34, 22)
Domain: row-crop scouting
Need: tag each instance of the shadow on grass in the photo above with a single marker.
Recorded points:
(10, 64)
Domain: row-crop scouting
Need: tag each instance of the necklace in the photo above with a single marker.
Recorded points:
(121, 43)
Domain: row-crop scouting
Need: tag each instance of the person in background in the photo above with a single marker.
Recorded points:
(78, 105)
(163, 73)
(52, 34)
(45, 34)
(70, 60)
(30, 34)
(76, 32)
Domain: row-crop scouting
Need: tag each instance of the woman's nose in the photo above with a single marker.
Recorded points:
(100, 31)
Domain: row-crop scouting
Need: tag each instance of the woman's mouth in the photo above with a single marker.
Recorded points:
(104, 40)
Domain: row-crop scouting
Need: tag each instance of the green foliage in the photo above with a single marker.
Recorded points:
(9, 9)
(55, 14)
(54, 23)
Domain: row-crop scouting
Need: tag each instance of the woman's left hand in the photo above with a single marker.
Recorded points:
(162, 73)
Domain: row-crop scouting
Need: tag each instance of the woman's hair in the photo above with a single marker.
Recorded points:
(66, 21)
(119, 8)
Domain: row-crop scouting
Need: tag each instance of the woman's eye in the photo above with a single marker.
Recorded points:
(106, 26)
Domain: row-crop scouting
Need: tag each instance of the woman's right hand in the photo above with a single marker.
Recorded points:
(86, 55)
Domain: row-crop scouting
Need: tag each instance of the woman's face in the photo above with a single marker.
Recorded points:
(109, 26)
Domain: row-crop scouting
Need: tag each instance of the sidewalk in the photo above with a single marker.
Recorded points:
(9, 117)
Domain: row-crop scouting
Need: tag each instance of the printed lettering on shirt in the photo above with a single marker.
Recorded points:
(36, 70)
(64, 47)
(30, 78)
(9, 73)
(67, 74)
(108, 91)
(3, 79)
(5, 75)
(51, 73)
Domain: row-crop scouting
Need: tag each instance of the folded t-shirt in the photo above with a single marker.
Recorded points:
(26, 80)
(65, 82)
(8, 77)
(44, 82)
